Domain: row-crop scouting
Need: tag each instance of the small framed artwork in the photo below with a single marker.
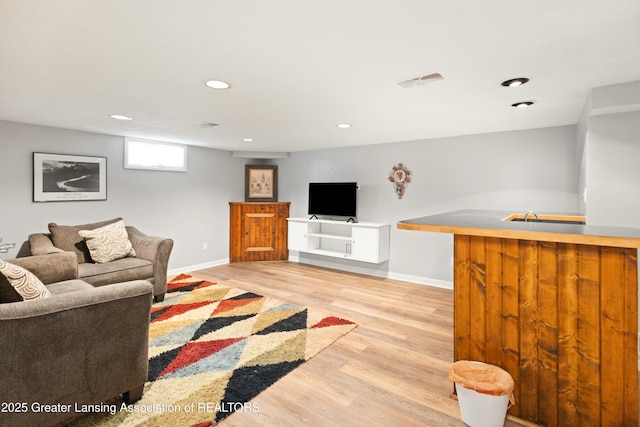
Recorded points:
(261, 183)
(62, 177)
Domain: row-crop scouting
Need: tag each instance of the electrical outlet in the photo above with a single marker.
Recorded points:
(205, 246)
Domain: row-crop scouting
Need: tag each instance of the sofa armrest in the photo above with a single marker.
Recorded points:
(156, 250)
(51, 268)
(41, 244)
(81, 347)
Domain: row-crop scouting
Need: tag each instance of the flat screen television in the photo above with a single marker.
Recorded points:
(333, 198)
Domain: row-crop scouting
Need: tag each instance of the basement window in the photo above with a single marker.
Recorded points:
(154, 155)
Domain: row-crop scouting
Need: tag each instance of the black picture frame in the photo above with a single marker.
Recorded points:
(66, 178)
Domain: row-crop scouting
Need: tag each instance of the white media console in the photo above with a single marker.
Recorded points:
(359, 241)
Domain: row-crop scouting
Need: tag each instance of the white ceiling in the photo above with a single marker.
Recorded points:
(299, 67)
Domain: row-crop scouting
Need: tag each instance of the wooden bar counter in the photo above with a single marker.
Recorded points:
(555, 305)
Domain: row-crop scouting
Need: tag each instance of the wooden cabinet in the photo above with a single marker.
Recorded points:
(258, 231)
(360, 241)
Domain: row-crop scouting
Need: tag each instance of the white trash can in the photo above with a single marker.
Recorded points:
(485, 392)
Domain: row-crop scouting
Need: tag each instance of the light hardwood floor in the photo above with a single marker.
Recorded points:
(392, 370)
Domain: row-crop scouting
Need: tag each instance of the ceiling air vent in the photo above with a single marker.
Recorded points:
(209, 125)
(419, 81)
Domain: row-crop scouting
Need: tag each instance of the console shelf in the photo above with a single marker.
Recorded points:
(329, 236)
(359, 241)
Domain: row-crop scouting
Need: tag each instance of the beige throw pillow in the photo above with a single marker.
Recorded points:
(108, 243)
(24, 281)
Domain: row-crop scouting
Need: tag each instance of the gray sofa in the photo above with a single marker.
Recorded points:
(150, 262)
(81, 346)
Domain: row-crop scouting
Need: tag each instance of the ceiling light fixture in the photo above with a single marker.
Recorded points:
(515, 82)
(217, 84)
(343, 125)
(120, 117)
(248, 139)
(523, 104)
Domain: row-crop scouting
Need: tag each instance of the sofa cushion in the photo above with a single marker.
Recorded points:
(120, 270)
(66, 237)
(108, 243)
(25, 284)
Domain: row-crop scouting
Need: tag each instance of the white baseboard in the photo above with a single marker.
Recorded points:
(336, 266)
(352, 268)
(349, 266)
(444, 284)
(175, 271)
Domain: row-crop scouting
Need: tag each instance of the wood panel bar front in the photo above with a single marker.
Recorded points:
(561, 318)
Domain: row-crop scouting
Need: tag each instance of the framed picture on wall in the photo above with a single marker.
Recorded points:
(261, 183)
(63, 177)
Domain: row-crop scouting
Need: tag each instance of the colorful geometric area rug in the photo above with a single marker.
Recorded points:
(213, 348)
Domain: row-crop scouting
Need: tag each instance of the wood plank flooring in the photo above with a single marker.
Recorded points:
(392, 370)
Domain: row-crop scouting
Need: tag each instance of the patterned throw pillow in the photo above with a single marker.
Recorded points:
(108, 243)
(24, 281)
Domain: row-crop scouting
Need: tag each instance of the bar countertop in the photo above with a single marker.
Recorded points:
(489, 223)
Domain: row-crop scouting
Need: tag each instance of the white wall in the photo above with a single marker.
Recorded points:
(612, 152)
(520, 170)
(581, 155)
(613, 171)
(191, 208)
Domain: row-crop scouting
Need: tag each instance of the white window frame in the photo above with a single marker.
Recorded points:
(130, 162)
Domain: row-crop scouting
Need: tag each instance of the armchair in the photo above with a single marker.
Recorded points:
(81, 346)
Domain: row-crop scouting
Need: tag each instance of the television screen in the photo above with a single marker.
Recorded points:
(333, 198)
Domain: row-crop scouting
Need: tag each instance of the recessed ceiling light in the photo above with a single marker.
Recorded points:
(217, 84)
(343, 125)
(515, 82)
(522, 104)
(120, 117)
(248, 139)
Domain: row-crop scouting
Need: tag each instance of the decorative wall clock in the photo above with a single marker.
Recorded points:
(400, 176)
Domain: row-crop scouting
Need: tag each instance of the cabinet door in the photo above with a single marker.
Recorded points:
(259, 232)
(298, 236)
(259, 223)
(365, 242)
